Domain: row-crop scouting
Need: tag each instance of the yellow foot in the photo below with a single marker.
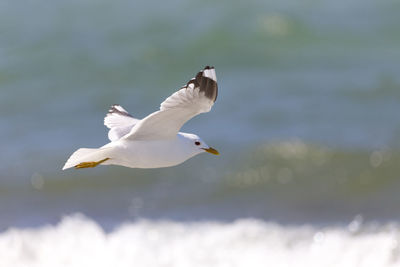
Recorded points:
(90, 164)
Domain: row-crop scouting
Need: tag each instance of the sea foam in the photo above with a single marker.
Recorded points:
(79, 241)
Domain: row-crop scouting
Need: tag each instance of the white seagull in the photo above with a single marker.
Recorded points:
(154, 141)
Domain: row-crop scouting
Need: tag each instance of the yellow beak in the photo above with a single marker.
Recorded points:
(211, 150)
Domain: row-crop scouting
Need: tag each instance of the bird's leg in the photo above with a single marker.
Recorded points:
(90, 164)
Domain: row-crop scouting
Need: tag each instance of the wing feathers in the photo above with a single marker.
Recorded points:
(119, 121)
(197, 96)
(117, 116)
(206, 80)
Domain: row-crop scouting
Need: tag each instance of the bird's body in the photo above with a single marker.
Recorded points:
(154, 141)
(150, 154)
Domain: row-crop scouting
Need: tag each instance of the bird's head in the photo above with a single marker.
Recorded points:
(198, 145)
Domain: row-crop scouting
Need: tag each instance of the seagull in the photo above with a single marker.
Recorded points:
(155, 141)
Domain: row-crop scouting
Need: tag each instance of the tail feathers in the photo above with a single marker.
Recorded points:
(86, 155)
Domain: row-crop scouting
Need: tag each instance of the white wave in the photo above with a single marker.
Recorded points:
(79, 241)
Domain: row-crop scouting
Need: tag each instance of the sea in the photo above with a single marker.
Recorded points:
(306, 122)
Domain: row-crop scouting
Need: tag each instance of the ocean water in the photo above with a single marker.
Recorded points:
(307, 123)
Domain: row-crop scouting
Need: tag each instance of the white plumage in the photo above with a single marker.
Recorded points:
(119, 121)
(154, 141)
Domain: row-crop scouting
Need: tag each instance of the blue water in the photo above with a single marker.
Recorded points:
(307, 117)
(307, 123)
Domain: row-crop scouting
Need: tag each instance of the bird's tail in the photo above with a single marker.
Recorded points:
(88, 157)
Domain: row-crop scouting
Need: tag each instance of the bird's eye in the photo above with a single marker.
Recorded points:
(197, 143)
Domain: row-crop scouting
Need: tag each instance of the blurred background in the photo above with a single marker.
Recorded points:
(307, 123)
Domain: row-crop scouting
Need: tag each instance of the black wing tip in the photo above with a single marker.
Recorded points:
(207, 84)
(114, 110)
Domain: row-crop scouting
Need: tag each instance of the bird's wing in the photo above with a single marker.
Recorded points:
(119, 121)
(197, 96)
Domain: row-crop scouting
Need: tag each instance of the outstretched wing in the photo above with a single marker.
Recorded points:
(197, 96)
(119, 121)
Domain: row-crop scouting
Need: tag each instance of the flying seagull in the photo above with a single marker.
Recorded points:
(155, 141)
